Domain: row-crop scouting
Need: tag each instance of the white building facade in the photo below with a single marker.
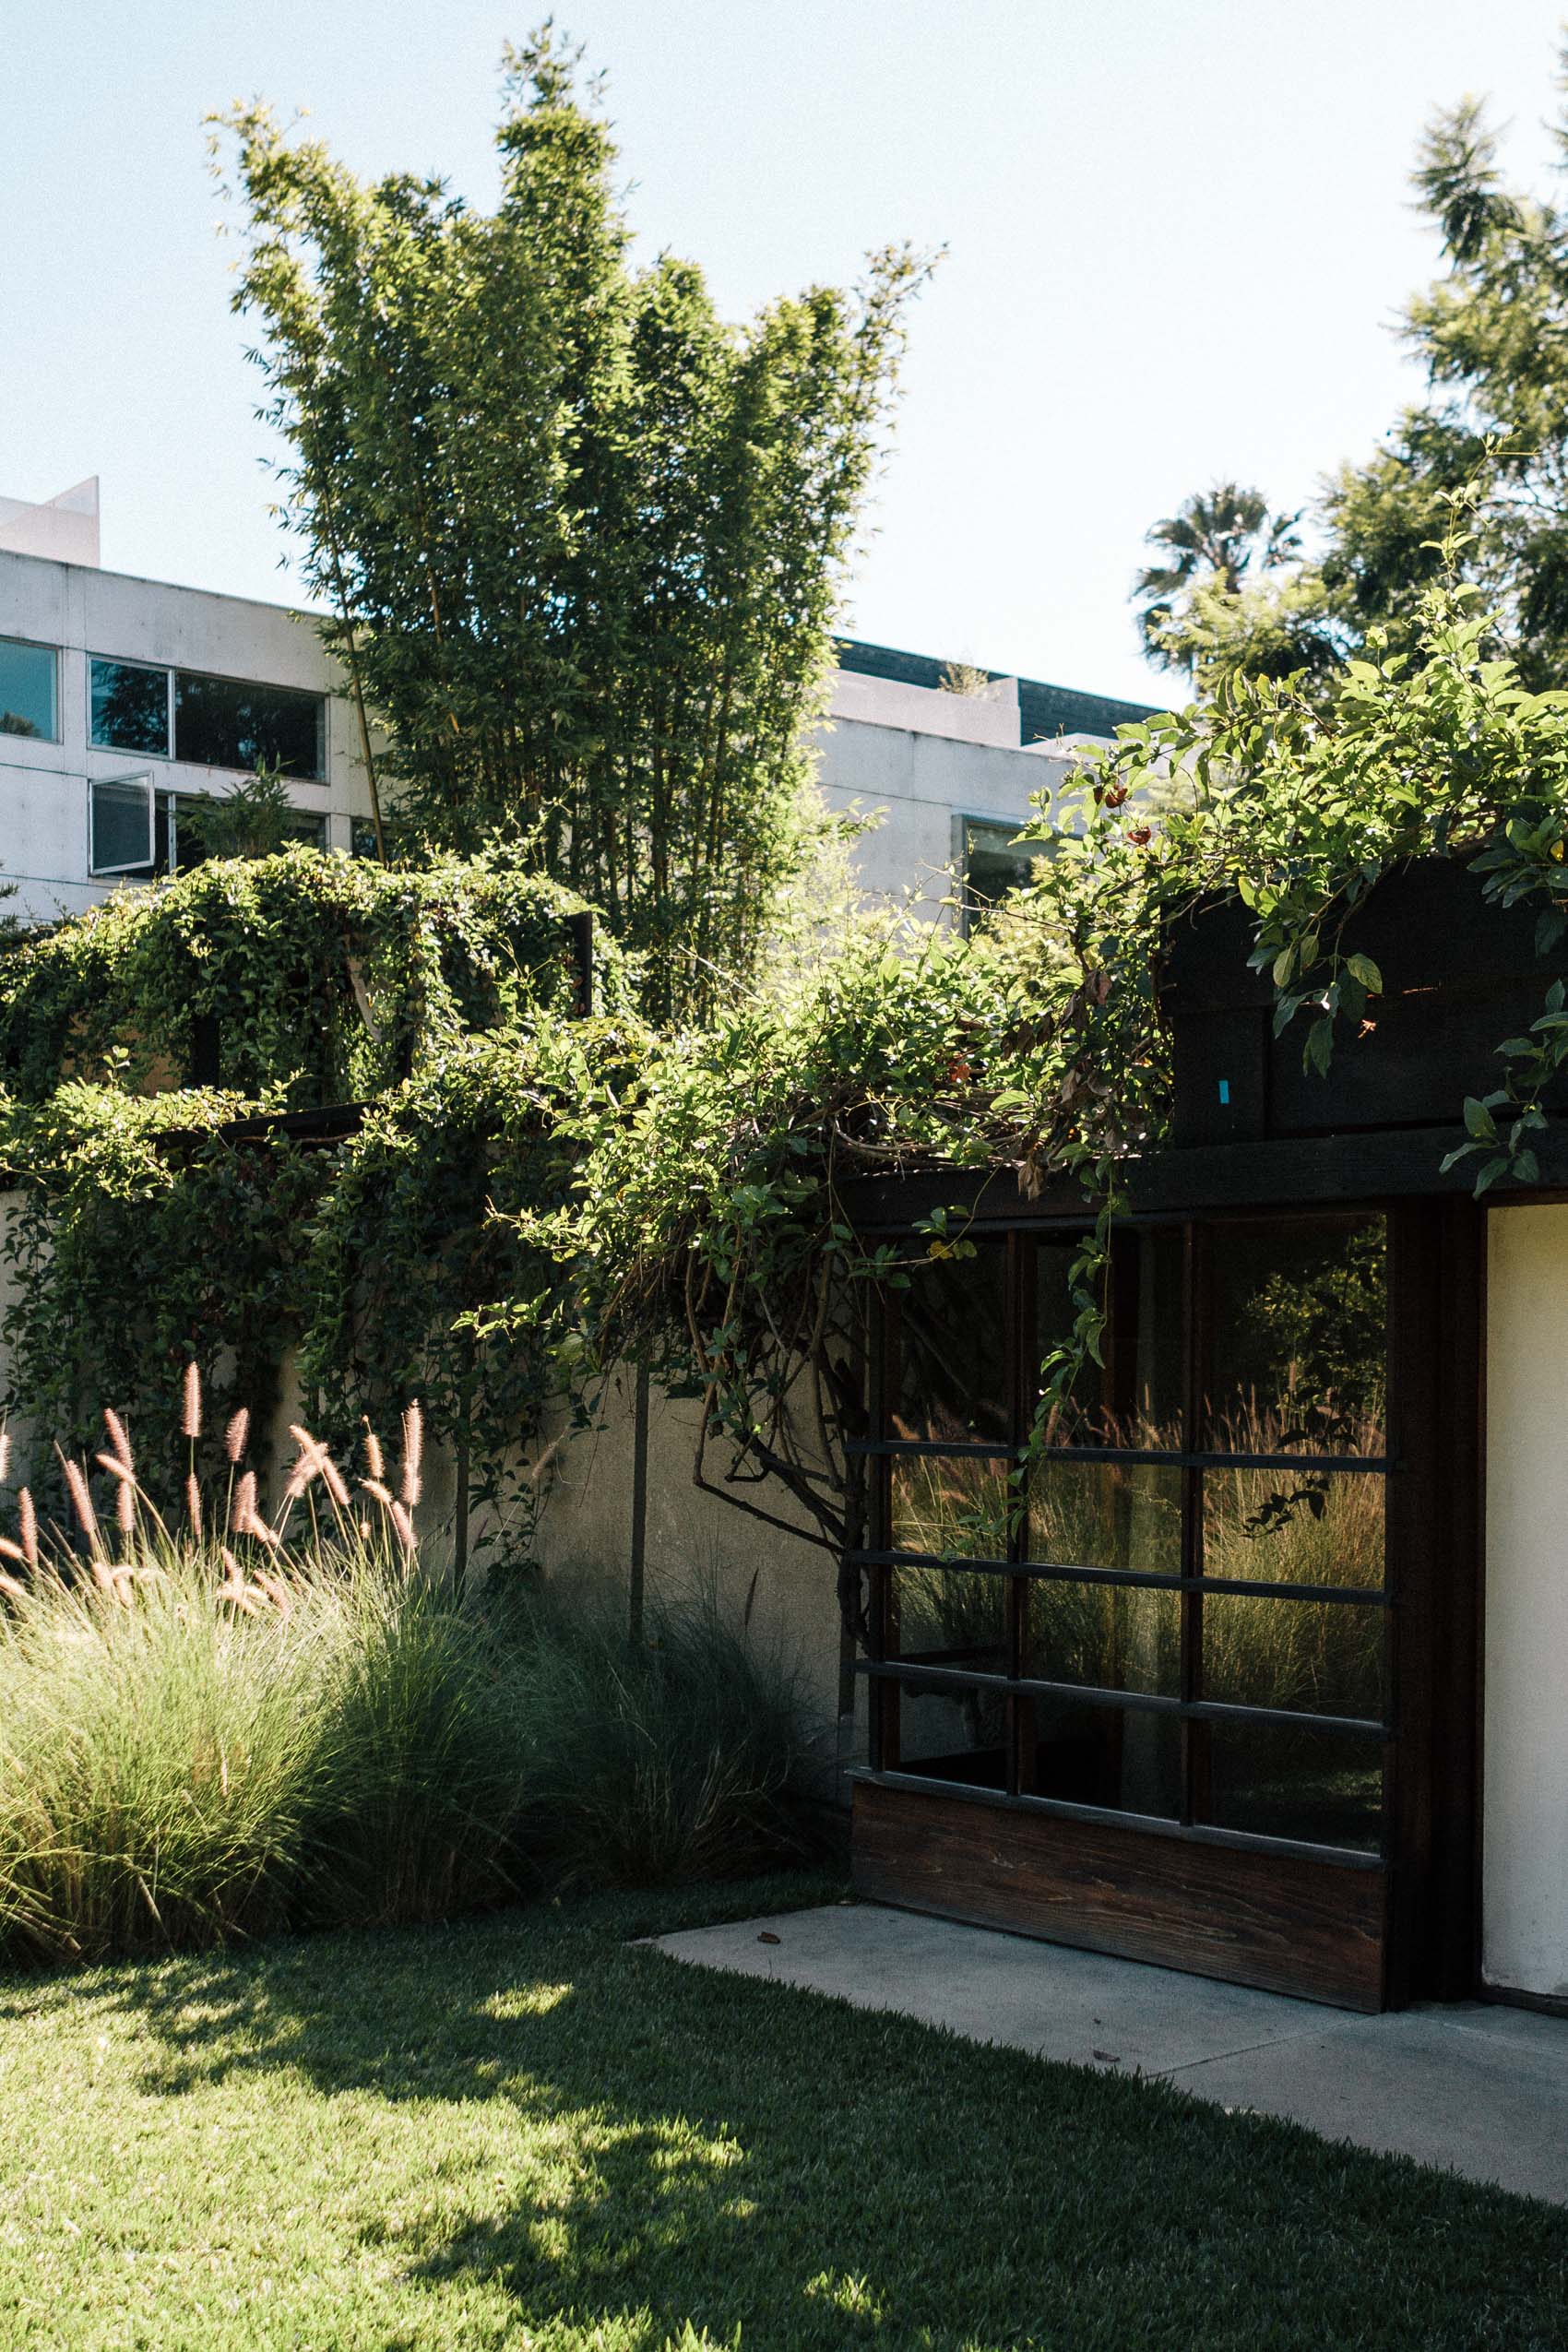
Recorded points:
(125, 703)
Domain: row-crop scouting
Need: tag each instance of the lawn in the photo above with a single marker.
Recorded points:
(520, 2132)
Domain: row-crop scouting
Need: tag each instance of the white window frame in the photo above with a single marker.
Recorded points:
(97, 872)
(134, 662)
(36, 645)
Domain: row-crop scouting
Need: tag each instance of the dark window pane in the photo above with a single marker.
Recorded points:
(130, 707)
(1322, 1788)
(27, 690)
(952, 1360)
(121, 826)
(948, 1618)
(1134, 1397)
(1312, 1657)
(994, 866)
(1300, 1336)
(1111, 1515)
(1293, 1526)
(228, 722)
(1127, 1761)
(1114, 1637)
(954, 1506)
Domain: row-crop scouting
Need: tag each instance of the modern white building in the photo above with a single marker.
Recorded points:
(125, 702)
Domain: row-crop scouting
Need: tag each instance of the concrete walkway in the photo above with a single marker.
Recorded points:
(1479, 2090)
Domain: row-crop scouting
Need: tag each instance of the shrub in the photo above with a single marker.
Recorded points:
(672, 1758)
(207, 1736)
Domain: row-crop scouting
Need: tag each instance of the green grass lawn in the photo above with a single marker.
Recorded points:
(520, 2132)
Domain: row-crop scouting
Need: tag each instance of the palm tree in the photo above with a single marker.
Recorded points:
(1213, 538)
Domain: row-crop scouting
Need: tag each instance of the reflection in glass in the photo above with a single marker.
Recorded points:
(1320, 1788)
(230, 722)
(1112, 1637)
(130, 707)
(1112, 1514)
(1293, 1528)
(27, 690)
(952, 1351)
(951, 1618)
(1134, 1398)
(1127, 1761)
(1312, 1657)
(954, 1506)
(1300, 1337)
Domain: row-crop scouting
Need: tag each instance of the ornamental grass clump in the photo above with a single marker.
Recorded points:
(233, 1723)
(679, 1756)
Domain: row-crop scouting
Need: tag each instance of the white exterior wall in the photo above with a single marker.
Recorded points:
(1525, 1784)
(43, 787)
(917, 759)
(921, 761)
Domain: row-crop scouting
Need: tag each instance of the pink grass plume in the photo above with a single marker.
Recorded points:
(413, 1454)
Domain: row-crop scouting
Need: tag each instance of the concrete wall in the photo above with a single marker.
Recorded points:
(1525, 1874)
(922, 761)
(43, 787)
(786, 1586)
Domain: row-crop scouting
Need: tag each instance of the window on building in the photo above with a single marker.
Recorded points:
(28, 694)
(121, 825)
(137, 831)
(1166, 1595)
(210, 722)
(228, 722)
(130, 707)
(992, 861)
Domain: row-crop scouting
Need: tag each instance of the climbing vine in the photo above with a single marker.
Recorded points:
(523, 1198)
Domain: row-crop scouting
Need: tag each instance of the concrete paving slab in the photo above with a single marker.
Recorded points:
(1478, 2090)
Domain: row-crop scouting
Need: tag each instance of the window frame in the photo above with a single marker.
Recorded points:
(38, 645)
(886, 1672)
(173, 672)
(124, 873)
(133, 661)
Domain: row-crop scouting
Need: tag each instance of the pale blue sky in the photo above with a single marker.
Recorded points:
(1178, 232)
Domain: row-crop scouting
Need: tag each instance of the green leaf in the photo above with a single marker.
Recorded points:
(1367, 972)
(1479, 1120)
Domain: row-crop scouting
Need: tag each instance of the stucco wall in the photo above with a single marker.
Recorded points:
(1525, 1877)
(784, 1585)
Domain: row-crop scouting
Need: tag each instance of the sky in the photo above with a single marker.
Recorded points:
(1177, 237)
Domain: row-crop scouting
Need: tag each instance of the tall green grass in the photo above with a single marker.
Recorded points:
(304, 1725)
(681, 1756)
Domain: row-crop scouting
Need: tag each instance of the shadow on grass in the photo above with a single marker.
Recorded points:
(631, 2146)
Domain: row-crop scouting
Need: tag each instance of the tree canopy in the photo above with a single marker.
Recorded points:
(580, 540)
(1492, 335)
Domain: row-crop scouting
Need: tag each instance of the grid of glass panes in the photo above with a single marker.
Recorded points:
(1171, 1600)
(241, 724)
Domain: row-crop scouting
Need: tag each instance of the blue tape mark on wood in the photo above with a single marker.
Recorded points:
(1225, 1091)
